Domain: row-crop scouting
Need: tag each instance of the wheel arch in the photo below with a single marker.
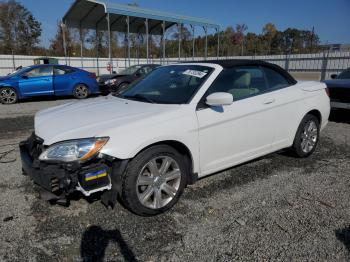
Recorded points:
(16, 89)
(184, 151)
(315, 113)
(124, 82)
(80, 83)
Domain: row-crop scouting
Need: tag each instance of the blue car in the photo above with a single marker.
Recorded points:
(47, 80)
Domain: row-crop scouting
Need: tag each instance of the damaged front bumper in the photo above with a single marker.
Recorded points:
(57, 180)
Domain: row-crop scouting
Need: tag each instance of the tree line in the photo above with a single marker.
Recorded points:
(20, 33)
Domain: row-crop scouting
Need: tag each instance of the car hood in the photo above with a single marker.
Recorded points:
(4, 78)
(98, 117)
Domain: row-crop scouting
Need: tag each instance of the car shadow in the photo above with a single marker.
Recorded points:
(343, 235)
(95, 241)
(340, 116)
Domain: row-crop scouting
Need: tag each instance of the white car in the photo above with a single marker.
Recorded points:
(180, 123)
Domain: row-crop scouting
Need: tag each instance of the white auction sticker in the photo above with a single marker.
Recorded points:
(194, 73)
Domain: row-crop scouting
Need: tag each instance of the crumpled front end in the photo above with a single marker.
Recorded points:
(58, 180)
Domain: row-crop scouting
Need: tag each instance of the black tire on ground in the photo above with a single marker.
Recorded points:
(8, 95)
(307, 137)
(130, 188)
(122, 87)
(81, 91)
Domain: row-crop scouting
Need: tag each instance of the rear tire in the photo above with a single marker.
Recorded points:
(307, 136)
(154, 181)
(81, 91)
(8, 96)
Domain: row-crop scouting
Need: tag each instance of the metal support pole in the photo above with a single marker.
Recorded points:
(179, 27)
(324, 65)
(218, 50)
(63, 26)
(81, 46)
(139, 39)
(128, 37)
(147, 47)
(206, 42)
(97, 54)
(163, 39)
(13, 61)
(109, 43)
(193, 41)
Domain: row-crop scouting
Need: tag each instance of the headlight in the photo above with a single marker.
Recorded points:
(74, 150)
(111, 81)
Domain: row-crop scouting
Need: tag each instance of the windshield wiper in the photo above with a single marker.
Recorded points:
(140, 98)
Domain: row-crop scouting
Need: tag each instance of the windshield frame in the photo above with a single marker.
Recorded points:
(211, 69)
(19, 72)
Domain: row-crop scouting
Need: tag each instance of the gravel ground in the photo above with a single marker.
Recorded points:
(275, 208)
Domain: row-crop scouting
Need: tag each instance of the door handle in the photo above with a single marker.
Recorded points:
(269, 101)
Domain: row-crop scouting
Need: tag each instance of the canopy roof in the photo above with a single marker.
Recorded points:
(91, 14)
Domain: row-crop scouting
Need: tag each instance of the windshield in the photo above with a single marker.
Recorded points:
(130, 70)
(169, 84)
(344, 75)
(18, 72)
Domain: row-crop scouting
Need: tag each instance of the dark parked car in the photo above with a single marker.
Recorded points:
(116, 82)
(46, 80)
(339, 89)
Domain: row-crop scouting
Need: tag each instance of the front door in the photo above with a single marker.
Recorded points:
(37, 81)
(244, 130)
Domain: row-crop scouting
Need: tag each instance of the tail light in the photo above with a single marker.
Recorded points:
(327, 91)
(92, 75)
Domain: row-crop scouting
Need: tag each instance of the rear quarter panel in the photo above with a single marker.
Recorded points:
(85, 78)
(316, 98)
(65, 85)
(294, 103)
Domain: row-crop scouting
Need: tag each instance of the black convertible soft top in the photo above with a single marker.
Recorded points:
(228, 63)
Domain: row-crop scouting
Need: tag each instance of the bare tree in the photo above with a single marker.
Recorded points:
(19, 31)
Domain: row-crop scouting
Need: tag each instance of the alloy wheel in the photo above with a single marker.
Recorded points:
(309, 136)
(81, 91)
(8, 96)
(158, 182)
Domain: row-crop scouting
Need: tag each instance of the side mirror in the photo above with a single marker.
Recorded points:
(24, 77)
(219, 99)
(138, 74)
(334, 76)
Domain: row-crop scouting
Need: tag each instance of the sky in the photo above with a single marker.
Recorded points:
(331, 18)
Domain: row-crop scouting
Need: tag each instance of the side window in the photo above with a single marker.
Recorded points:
(274, 79)
(241, 82)
(62, 71)
(40, 71)
(145, 70)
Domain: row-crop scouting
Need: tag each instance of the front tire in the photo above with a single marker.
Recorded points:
(154, 181)
(8, 96)
(81, 91)
(122, 87)
(307, 136)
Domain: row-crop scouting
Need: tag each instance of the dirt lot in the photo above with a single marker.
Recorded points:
(275, 208)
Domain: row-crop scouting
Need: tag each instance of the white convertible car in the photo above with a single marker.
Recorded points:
(180, 123)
